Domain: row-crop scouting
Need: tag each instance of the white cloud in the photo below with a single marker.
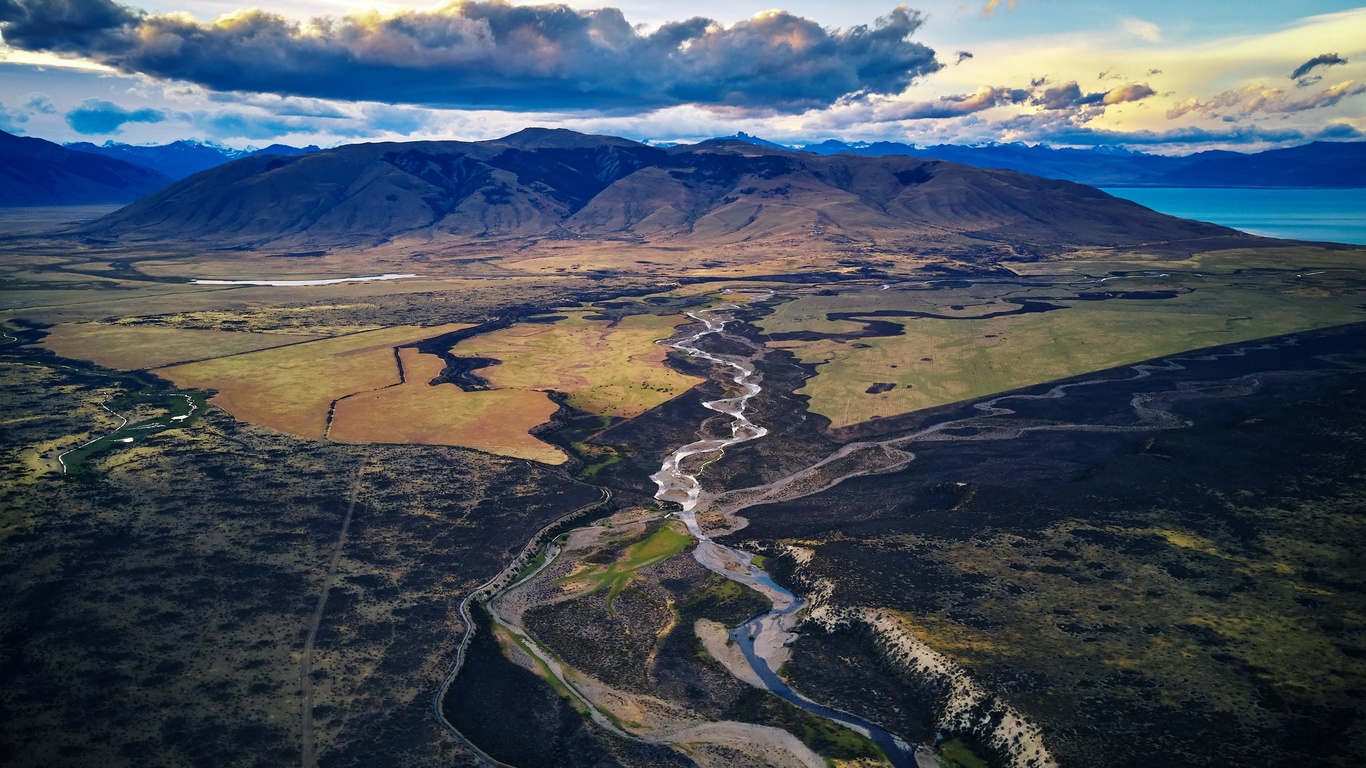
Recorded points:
(1143, 30)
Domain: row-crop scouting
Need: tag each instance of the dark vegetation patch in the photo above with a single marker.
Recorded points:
(1130, 607)
(646, 642)
(515, 717)
(851, 674)
(1137, 295)
(182, 577)
(613, 645)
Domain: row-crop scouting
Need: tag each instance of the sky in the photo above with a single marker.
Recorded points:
(1162, 76)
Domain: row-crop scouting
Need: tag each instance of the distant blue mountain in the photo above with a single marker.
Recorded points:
(748, 139)
(38, 172)
(1321, 164)
(1317, 165)
(180, 159)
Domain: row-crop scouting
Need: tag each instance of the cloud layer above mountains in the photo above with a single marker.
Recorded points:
(1030, 72)
(491, 55)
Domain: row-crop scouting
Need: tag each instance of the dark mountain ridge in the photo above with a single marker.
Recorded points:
(35, 172)
(1321, 164)
(180, 159)
(541, 183)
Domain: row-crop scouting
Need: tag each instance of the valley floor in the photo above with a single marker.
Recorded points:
(1097, 510)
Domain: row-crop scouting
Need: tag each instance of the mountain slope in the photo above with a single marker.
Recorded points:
(540, 183)
(37, 172)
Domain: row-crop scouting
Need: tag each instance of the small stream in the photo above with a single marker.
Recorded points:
(760, 637)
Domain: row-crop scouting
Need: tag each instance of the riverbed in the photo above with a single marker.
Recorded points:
(762, 639)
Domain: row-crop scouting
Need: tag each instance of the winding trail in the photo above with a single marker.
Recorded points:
(501, 582)
(61, 457)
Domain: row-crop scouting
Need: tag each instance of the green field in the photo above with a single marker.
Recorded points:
(663, 544)
(608, 367)
(291, 388)
(955, 754)
(939, 361)
(137, 347)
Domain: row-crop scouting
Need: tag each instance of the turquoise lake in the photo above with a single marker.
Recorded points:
(1336, 215)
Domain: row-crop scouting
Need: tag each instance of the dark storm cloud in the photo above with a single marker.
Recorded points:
(1322, 60)
(963, 56)
(491, 55)
(1070, 96)
(74, 23)
(94, 117)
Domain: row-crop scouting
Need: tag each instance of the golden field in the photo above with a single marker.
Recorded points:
(415, 411)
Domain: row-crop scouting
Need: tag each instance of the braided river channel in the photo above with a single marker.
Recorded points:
(762, 637)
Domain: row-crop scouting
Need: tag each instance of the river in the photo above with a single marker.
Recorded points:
(762, 637)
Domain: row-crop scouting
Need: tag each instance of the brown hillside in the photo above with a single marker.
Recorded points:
(553, 183)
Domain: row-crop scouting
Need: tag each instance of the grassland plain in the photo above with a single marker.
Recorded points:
(152, 611)
(132, 348)
(1225, 261)
(292, 388)
(610, 367)
(322, 319)
(960, 355)
(52, 284)
(418, 412)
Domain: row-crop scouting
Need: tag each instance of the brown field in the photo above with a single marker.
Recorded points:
(132, 348)
(495, 421)
(607, 369)
(291, 388)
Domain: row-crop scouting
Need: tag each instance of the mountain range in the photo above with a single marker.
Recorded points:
(544, 183)
(39, 172)
(36, 172)
(1321, 164)
(180, 159)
